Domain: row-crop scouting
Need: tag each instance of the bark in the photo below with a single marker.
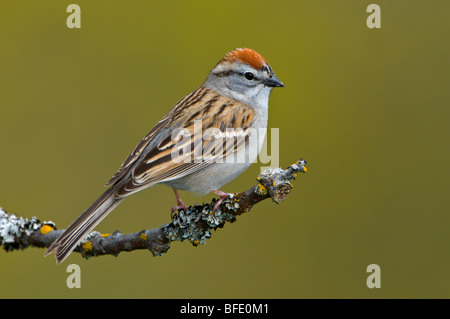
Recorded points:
(194, 224)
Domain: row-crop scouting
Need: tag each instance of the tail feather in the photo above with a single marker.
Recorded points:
(71, 237)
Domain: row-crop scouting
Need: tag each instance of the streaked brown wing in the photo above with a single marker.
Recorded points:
(137, 151)
(212, 111)
(191, 98)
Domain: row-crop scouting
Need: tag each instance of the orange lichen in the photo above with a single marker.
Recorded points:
(45, 229)
(87, 246)
(261, 189)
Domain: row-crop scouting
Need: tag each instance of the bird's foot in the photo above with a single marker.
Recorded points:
(222, 197)
(180, 204)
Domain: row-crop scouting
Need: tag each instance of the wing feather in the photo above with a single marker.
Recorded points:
(152, 160)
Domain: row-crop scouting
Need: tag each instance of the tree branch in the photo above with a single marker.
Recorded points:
(194, 224)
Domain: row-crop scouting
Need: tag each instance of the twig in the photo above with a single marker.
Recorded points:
(194, 224)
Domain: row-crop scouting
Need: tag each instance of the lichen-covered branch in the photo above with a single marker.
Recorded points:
(194, 224)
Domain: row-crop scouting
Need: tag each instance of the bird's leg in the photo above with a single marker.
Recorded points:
(222, 195)
(180, 204)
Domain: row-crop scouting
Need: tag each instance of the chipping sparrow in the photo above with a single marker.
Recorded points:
(235, 96)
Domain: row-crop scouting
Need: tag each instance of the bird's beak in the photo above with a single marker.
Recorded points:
(273, 81)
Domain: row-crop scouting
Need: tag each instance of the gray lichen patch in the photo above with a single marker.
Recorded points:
(195, 223)
(13, 227)
(277, 182)
(90, 236)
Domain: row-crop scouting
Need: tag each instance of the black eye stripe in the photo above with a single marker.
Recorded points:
(230, 72)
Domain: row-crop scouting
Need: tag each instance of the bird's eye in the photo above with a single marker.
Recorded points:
(249, 76)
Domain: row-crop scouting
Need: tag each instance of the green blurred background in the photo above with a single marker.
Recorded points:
(368, 109)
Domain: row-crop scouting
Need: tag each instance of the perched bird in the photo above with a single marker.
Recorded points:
(232, 102)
